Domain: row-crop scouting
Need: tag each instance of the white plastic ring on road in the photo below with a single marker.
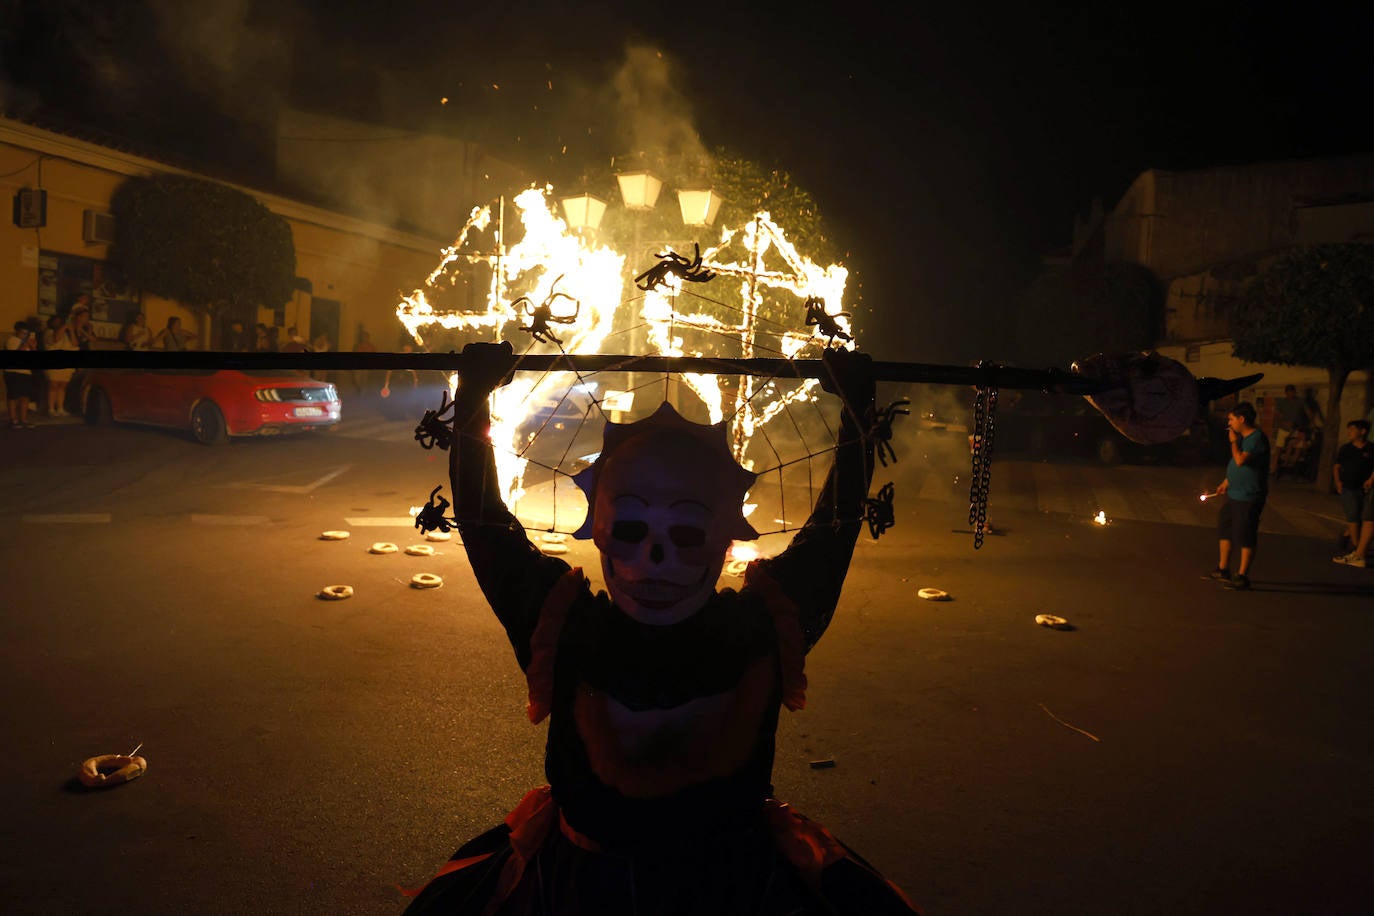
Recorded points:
(382, 547)
(111, 770)
(437, 535)
(553, 548)
(335, 592)
(426, 580)
(1051, 620)
(334, 535)
(933, 594)
(420, 550)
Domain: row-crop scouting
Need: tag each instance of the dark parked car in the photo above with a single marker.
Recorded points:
(564, 434)
(1042, 426)
(211, 404)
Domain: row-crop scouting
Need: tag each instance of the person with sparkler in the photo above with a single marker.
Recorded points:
(1245, 488)
(663, 696)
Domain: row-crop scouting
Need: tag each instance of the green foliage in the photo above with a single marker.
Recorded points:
(204, 244)
(1314, 306)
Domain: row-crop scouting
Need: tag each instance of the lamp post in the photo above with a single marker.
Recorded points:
(639, 192)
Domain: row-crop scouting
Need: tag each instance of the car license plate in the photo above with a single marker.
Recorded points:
(309, 411)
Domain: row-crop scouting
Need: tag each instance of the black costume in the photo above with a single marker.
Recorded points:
(683, 823)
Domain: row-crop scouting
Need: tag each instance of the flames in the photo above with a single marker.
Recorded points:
(552, 264)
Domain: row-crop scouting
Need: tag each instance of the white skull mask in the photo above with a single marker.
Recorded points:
(665, 506)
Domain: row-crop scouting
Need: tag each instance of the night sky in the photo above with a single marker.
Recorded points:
(950, 147)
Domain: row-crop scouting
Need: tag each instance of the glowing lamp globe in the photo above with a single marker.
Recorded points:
(639, 189)
(699, 206)
(584, 211)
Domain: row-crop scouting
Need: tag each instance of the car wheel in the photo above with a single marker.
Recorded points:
(1108, 451)
(98, 408)
(207, 425)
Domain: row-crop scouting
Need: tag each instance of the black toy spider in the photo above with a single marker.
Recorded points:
(431, 517)
(673, 263)
(880, 428)
(541, 316)
(434, 428)
(878, 511)
(824, 321)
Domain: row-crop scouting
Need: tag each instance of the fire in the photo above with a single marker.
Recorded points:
(549, 259)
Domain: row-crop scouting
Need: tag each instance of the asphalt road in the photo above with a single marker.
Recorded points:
(1182, 749)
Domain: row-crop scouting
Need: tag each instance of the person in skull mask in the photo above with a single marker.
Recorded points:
(662, 696)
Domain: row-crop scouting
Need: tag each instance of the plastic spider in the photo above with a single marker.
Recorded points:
(431, 517)
(679, 266)
(878, 511)
(824, 321)
(434, 429)
(880, 427)
(541, 316)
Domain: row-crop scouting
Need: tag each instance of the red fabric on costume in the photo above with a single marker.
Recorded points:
(544, 643)
(787, 624)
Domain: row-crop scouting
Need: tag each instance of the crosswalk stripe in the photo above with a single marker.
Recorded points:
(69, 518)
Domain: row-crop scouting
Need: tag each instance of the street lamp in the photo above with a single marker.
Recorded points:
(639, 189)
(699, 206)
(584, 211)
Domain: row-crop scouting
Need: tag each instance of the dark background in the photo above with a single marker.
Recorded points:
(950, 146)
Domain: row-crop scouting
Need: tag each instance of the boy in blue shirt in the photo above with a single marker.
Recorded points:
(1246, 486)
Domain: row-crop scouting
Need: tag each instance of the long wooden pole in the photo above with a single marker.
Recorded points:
(1058, 381)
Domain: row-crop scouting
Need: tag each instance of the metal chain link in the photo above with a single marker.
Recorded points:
(984, 426)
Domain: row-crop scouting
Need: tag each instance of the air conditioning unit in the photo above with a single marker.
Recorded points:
(97, 228)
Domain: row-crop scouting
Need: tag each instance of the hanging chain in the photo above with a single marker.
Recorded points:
(984, 415)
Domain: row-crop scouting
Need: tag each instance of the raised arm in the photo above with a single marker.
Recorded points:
(813, 567)
(513, 575)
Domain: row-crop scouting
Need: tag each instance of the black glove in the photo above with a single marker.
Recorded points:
(486, 367)
(849, 374)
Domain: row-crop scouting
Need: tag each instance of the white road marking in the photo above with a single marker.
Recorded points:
(299, 489)
(70, 518)
(230, 519)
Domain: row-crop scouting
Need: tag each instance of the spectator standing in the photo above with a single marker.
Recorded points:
(320, 345)
(82, 330)
(414, 376)
(1244, 490)
(361, 377)
(136, 334)
(262, 341)
(236, 341)
(1291, 414)
(1354, 474)
(59, 336)
(295, 343)
(173, 337)
(19, 382)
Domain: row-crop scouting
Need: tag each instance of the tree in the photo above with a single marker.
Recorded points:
(210, 247)
(1313, 306)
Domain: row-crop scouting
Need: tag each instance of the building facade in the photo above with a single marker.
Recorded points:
(1205, 232)
(350, 271)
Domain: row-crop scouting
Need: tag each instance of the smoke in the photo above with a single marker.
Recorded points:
(219, 48)
(651, 112)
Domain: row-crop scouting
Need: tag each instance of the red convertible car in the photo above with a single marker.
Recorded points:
(211, 404)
